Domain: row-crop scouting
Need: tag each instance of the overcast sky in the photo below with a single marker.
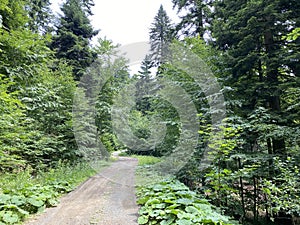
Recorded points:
(126, 22)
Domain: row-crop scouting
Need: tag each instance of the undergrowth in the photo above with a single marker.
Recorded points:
(170, 202)
(166, 201)
(23, 194)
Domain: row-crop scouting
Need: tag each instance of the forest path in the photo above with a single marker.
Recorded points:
(106, 198)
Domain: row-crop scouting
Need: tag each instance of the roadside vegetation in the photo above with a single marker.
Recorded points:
(167, 201)
(27, 193)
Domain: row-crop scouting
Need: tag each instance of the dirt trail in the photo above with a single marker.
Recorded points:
(107, 198)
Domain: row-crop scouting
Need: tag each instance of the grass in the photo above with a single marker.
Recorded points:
(146, 160)
(74, 174)
(147, 173)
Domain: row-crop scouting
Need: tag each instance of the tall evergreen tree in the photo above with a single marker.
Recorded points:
(74, 32)
(161, 34)
(251, 35)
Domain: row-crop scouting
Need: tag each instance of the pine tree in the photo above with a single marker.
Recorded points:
(72, 41)
(161, 34)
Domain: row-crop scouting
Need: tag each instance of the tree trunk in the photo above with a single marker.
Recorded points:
(199, 12)
(255, 199)
(273, 100)
(242, 189)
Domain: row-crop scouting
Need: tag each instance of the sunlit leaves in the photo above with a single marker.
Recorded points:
(11, 127)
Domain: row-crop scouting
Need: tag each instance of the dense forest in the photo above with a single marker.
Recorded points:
(244, 153)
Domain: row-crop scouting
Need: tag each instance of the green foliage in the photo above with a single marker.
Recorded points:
(37, 129)
(147, 173)
(40, 15)
(256, 61)
(144, 85)
(139, 124)
(37, 105)
(12, 14)
(193, 18)
(49, 102)
(24, 55)
(294, 35)
(12, 128)
(237, 178)
(161, 35)
(110, 142)
(21, 195)
(223, 147)
(112, 67)
(73, 35)
(256, 53)
(146, 160)
(145, 123)
(190, 174)
(171, 202)
(283, 190)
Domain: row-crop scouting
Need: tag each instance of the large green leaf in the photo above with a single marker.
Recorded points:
(191, 209)
(18, 200)
(10, 217)
(168, 221)
(143, 220)
(35, 201)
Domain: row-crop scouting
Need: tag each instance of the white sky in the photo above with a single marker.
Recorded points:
(126, 22)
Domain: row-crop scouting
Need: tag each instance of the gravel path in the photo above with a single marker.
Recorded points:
(107, 198)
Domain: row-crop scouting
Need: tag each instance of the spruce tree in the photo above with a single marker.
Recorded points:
(73, 35)
(161, 34)
(146, 65)
(251, 34)
(144, 85)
